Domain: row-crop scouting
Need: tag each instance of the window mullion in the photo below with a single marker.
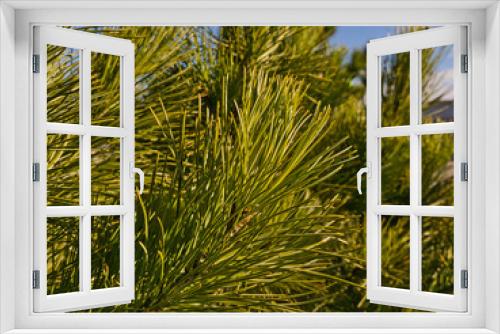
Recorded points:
(415, 163)
(85, 177)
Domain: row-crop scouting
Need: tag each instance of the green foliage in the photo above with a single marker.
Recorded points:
(250, 138)
(236, 227)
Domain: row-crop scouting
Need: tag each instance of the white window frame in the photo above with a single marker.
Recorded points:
(412, 44)
(85, 43)
(16, 213)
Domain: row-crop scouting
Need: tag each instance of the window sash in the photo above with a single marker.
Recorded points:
(413, 297)
(86, 297)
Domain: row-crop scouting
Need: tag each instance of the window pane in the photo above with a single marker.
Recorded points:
(395, 182)
(437, 254)
(105, 252)
(437, 169)
(105, 89)
(395, 251)
(105, 171)
(62, 255)
(437, 84)
(63, 180)
(395, 89)
(63, 84)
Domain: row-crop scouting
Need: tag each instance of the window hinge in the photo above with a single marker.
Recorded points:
(36, 63)
(36, 172)
(36, 279)
(465, 64)
(464, 171)
(464, 279)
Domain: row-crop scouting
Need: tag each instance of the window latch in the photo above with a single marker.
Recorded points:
(365, 170)
(133, 171)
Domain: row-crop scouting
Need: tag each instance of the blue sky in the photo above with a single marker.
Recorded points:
(354, 37)
(357, 37)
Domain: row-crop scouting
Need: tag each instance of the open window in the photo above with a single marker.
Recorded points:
(84, 222)
(91, 227)
(421, 121)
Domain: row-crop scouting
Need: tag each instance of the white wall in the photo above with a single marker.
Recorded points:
(7, 167)
(492, 211)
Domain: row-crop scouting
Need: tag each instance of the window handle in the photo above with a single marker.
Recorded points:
(133, 171)
(365, 170)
